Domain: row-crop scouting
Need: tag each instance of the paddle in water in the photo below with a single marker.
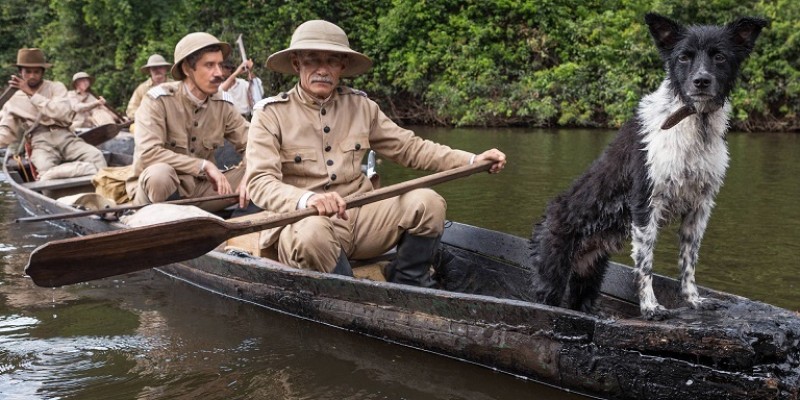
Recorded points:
(101, 255)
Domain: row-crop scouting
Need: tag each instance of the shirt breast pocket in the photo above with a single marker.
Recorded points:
(353, 156)
(177, 143)
(298, 161)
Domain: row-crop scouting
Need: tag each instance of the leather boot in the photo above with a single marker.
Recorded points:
(412, 265)
(342, 265)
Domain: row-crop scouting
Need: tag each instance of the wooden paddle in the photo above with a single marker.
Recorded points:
(103, 133)
(81, 259)
(7, 95)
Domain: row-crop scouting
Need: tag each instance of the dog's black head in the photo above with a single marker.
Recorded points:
(703, 61)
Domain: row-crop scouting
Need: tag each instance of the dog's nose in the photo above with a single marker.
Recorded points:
(702, 81)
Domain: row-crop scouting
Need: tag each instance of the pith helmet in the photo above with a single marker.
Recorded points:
(191, 43)
(31, 58)
(156, 60)
(318, 35)
(81, 75)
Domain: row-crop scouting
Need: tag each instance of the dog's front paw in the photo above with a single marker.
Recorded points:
(657, 313)
(707, 304)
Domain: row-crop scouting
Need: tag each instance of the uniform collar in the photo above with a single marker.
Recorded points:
(310, 100)
(192, 98)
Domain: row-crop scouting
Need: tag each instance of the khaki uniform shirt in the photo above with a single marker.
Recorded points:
(88, 111)
(49, 104)
(172, 129)
(297, 146)
(138, 95)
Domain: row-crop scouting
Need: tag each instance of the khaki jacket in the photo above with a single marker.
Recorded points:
(297, 146)
(49, 104)
(171, 129)
(138, 95)
(88, 111)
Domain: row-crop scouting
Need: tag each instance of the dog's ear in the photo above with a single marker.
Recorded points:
(666, 33)
(744, 31)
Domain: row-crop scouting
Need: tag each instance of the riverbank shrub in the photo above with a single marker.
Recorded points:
(543, 63)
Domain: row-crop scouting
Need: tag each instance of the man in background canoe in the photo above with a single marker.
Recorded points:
(39, 112)
(90, 111)
(157, 67)
(181, 123)
(306, 147)
(244, 96)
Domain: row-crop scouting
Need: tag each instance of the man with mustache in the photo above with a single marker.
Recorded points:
(157, 67)
(306, 148)
(179, 126)
(40, 112)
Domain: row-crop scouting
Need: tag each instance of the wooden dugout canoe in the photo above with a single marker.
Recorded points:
(744, 350)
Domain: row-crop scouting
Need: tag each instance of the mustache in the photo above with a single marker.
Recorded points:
(323, 79)
(216, 80)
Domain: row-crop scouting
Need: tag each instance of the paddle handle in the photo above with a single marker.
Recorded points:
(7, 95)
(358, 200)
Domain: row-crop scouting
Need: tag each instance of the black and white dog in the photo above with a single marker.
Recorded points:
(666, 163)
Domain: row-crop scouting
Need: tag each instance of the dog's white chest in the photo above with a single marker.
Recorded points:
(684, 168)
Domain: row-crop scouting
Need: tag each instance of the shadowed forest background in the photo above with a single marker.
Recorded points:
(538, 63)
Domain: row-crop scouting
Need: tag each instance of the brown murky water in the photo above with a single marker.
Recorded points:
(146, 336)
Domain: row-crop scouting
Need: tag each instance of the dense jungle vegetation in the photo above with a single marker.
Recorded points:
(544, 63)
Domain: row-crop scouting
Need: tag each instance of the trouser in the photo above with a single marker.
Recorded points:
(159, 182)
(51, 148)
(371, 230)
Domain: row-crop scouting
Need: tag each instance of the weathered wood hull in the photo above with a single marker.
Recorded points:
(744, 350)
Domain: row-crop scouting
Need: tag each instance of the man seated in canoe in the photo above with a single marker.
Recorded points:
(157, 67)
(38, 117)
(90, 111)
(306, 147)
(181, 123)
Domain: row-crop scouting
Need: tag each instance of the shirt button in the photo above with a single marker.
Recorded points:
(284, 95)
(297, 159)
(327, 148)
(358, 146)
(194, 138)
(330, 162)
(333, 177)
(172, 143)
(327, 186)
(195, 123)
(323, 112)
(326, 129)
(191, 150)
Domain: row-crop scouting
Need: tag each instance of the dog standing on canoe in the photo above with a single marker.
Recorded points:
(666, 163)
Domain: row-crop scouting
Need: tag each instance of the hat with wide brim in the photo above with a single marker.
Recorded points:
(191, 43)
(156, 60)
(318, 35)
(32, 58)
(81, 75)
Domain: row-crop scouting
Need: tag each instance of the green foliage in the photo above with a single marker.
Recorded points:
(582, 63)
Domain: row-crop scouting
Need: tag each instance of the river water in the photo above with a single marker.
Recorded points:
(146, 336)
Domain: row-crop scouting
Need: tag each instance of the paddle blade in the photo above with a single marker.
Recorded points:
(100, 134)
(81, 259)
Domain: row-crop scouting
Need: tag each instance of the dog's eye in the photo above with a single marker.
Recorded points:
(719, 58)
(683, 58)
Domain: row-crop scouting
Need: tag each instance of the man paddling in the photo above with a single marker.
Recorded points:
(40, 113)
(181, 123)
(306, 147)
(90, 111)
